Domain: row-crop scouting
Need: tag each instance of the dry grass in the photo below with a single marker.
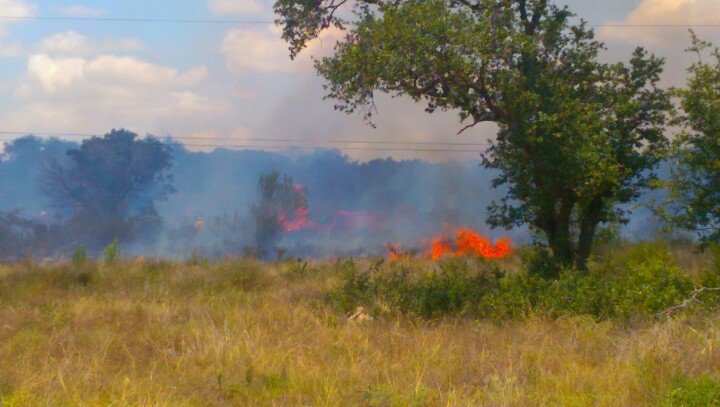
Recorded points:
(242, 333)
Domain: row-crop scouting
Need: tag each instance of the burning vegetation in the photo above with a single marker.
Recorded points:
(469, 242)
(465, 242)
(301, 217)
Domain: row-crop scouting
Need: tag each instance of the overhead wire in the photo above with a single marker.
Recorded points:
(261, 139)
(264, 22)
(233, 144)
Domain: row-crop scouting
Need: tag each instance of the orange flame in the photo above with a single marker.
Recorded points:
(440, 247)
(468, 242)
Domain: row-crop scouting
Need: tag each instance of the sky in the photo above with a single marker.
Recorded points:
(228, 84)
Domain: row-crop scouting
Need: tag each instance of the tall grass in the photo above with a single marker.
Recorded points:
(239, 332)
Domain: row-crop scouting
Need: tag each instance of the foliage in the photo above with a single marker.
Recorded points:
(539, 262)
(455, 287)
(276, 196)
(638, 289)
(577, 137)
(694, 199)
(113, 181)
(648, 288)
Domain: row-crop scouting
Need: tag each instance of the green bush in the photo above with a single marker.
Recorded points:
(645, 283)
(450, 288)
(538, 261)
(515, 297)
(575, 293)
(619, 260)
(648, 288)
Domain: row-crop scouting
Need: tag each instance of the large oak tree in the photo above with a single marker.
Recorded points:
(577, 137)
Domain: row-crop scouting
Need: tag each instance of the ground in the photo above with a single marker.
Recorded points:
(239, 332)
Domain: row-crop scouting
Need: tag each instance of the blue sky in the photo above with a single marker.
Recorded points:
(230, 83)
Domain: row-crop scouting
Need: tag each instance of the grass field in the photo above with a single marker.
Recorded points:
(238, 332)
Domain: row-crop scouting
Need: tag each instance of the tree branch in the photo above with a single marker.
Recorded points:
(687, 303)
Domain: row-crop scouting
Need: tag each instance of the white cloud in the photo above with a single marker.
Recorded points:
(668, 42)
(18, 8)
(236, 7)
(663, 12)
(58, 73)
(81, 11)
(80, 94)
(262, 50)
(70, 43)
(55, 74)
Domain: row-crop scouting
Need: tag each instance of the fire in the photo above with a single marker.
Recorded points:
(301, 217)
(468, 242)
(395, 252)
(440, 247)
(301, 220)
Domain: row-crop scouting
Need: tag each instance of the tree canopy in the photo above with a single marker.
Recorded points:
(112, 182)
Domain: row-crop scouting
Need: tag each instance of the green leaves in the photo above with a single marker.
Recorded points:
(694, 187)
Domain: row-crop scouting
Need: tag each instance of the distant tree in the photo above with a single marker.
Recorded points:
(112, 182)
(577, 137)
(277, 198)
(694, 188)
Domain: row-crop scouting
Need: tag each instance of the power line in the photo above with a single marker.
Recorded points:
(270, 140)
(343, 148)
(265, 22)
(443, 150)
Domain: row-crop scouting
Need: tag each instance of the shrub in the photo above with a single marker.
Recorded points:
(538, 261)
(645, 283)
(648, 288)
(515, 297)
(450, 288)
(575, 293)
(619, 260)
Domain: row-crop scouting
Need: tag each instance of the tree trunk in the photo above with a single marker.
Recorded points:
(559, 235)
(585, 242)
(588, 226)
